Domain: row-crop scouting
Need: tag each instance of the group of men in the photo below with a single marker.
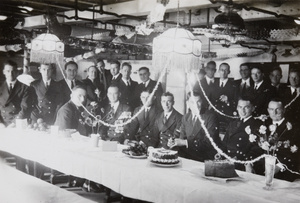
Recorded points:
(113, 95)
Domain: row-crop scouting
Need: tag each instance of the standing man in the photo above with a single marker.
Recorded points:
(236, 141)
(66, 85)
(69, 115)
(193, 143)
(147, 84)
(168, 122)
(261, 93)
(289, 94)
(114, 112)
(223, 95)
(141, 128)
(48, 95)
(115, 72)
(208, 81)
(275, 77)
(243, 85)
(127, 86)
(95, 89)
(104, 75)
(16, 98)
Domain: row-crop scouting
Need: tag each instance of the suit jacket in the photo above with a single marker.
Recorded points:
(199, 147)
(292, 112)
(69, 117)
(208, 89)
(109, 133)
(140, 87)
(285, 156)
(127, 93)
(227, 90)
(115, 81)
(261, 97)
(91, 87)
(239, 91)
(237, 145)
(65, 90)
(141, 128)
(17, 104)
(167, 130)
(279, 91)
(47, 101)
(104, 78)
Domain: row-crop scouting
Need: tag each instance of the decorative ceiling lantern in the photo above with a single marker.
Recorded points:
(179, 46)
(47, 48)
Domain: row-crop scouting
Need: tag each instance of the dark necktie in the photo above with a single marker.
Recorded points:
(194, 119)
(222, 85)
(10, 87)
(165, 119)
(72, 84)
(146, 113)
(243, 88)
(47, 85)
(294, 94)
(144, 85)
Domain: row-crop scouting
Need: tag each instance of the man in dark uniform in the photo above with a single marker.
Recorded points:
(115, 72)
(127, 86)
(16, 99)
(236, 141)
(261, 93)
(141, 128)
(193, 143)
(168, 122)
(147, 84)
(115, 112)
(275, 77)
(48, 95)
(69, 115)
(104, 75)
(67, 85)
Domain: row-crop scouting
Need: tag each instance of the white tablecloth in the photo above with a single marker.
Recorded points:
(137, 178)
(17, 187)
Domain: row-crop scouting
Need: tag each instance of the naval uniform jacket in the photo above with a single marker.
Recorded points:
(237, 145)
(151, 85)
(141, 128)
(292, 112)
(167, 130)
(109, 133)
(199, 147)
(65, 90)
(127, 92)
(69, 117)
(15, 104)
(261, 97)
(47, 101)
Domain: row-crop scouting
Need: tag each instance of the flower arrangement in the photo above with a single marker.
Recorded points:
(268, 138)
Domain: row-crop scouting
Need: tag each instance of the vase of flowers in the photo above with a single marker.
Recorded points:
(269, 171)
(269, 140)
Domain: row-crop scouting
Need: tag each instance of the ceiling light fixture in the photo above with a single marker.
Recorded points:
(25, 9)
(3, 17)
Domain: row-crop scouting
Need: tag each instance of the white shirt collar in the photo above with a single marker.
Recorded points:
(278, 122)
(167, 115)
(245, 119)
(247, 81)
(115, 105)
(115, 76)
(258, 84)
(208, 80)
(48, 81)
(12, 82)
(293, 89)
(146, 83)
(223, 81)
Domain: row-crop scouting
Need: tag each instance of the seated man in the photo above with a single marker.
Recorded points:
(115, 112)
(141, 128)
(285, 154)
(236, 141)
(193, 143)
(168, 122)
(69, 115)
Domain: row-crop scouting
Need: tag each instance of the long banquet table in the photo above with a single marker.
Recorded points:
(137, 178)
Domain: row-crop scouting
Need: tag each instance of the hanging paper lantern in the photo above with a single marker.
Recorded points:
(47, 48)
(179, 46)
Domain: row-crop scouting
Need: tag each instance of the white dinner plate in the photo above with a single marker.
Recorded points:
(166, 165)
(136, 157)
